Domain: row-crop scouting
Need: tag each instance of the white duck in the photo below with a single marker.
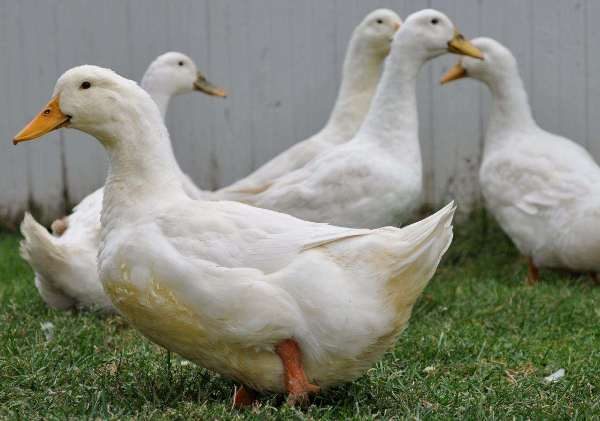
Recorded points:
(368, 47)
(375, 179)
(65, 267)
(270, 300)
(543, 189)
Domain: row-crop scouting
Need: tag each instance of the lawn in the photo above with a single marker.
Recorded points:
(479, 345)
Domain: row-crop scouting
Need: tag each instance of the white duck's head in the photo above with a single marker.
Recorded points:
(175, 73)
(376, 31)
(97, 101)
(430, 33)
(498, 63)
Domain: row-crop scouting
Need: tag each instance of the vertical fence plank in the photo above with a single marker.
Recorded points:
(572, 85)
(232, 52)
(546, 64)
(278, 87)
(84, 158)
(14, 168)
(35, 79)
(456, 130)
(592, 59)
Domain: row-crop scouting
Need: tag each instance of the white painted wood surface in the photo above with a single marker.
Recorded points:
(280, 60)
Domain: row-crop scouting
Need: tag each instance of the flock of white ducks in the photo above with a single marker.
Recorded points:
(271, 294)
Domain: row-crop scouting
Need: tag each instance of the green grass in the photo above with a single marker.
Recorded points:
(487, 339)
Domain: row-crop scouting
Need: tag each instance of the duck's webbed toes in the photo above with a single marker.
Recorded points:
(301, 396)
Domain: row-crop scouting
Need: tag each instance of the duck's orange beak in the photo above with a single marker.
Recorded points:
(460, 45)
(454, 73)
(203, 85)
(49, 119)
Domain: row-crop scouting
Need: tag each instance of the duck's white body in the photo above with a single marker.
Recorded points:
(65, 266)
(371, 181)
(543, 189)
(221, 283)
(362, 69)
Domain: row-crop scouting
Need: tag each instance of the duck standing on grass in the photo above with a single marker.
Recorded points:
(366, 52)
(65, 265)
(277, 303)
(543, 189)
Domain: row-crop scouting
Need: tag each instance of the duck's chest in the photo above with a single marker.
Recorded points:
(153, 308)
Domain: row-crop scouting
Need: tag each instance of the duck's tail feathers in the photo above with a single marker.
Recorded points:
(419, 252)
(46, 257)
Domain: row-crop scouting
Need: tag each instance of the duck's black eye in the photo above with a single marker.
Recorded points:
(380, 21)
(435, 21)
(181, 63)
(85, 85)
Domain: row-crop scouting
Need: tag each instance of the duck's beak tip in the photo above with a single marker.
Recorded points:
(49, 119)
(203, 85)
(454, 73)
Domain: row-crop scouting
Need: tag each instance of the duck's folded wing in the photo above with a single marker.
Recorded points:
(324, 189)
(263, 178)
(551, 194)
(232, 234)
(535, 183)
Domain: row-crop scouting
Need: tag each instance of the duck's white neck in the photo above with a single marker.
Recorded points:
(160, 95)
(360, 75)
(143, 170)
(510, 106)
(392, 120)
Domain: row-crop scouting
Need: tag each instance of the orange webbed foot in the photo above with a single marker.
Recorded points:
(301, 396)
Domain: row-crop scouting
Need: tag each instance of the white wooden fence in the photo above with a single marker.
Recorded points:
(280, 60)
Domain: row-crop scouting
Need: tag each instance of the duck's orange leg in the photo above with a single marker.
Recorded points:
(296, 383)
(533, 273)
(243, 396)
